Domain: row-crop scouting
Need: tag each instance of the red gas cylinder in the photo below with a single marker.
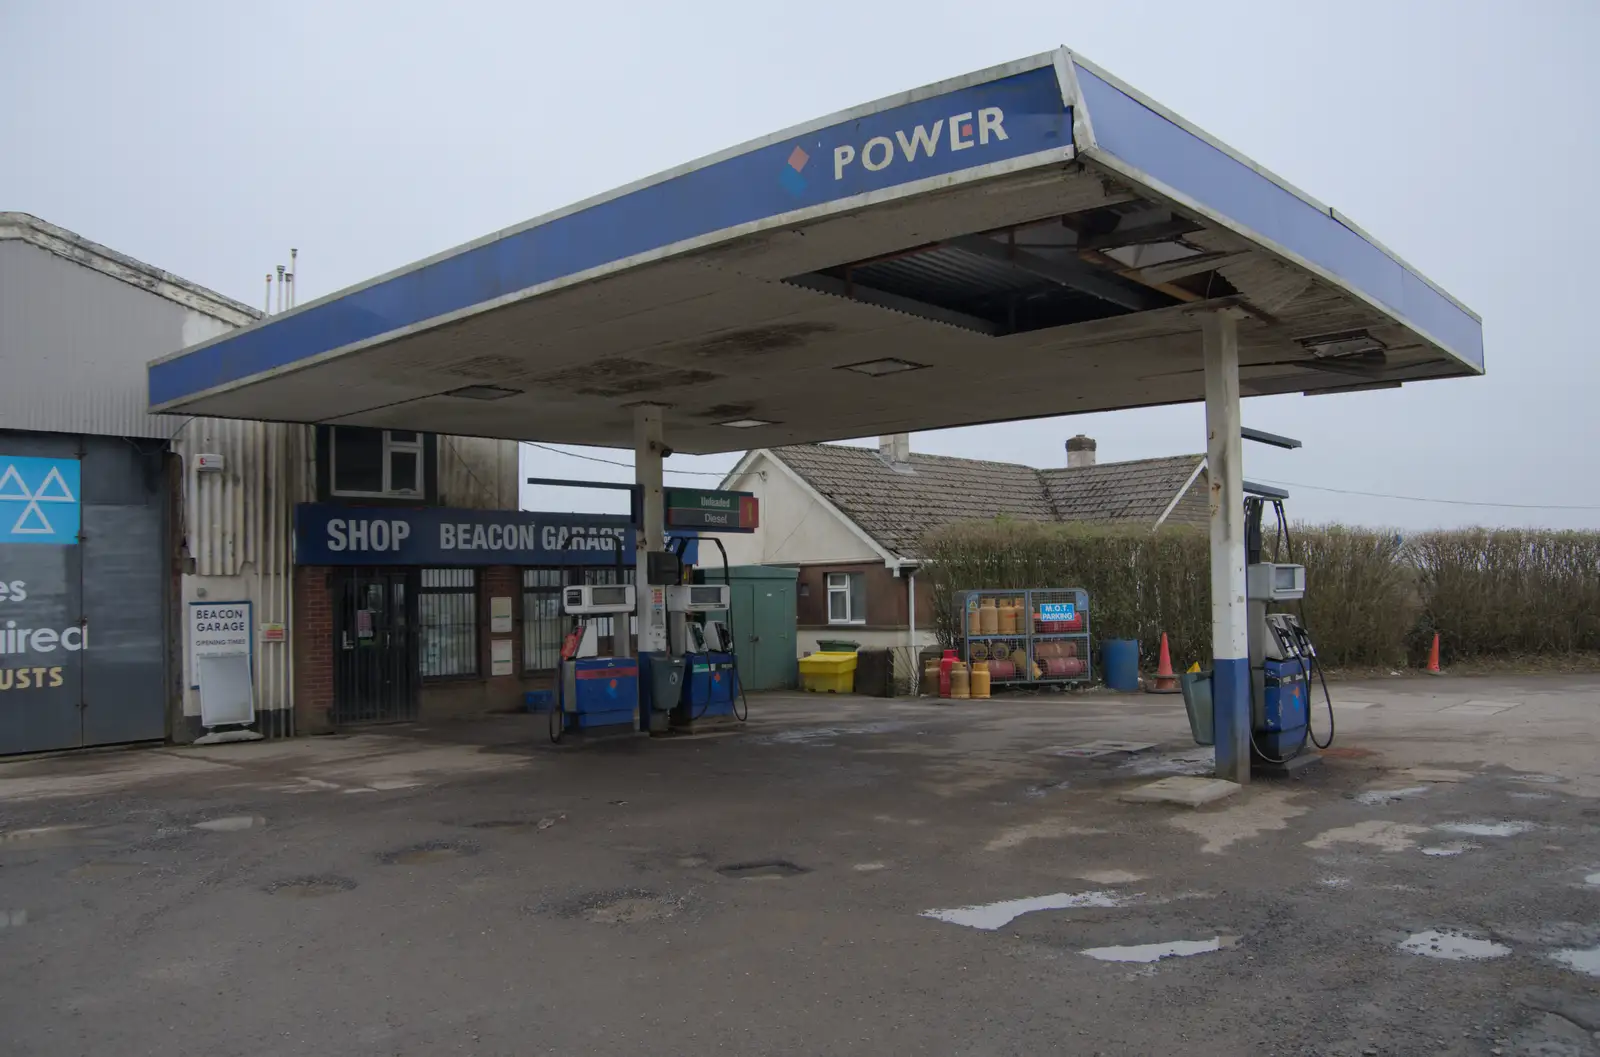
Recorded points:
(946, 663)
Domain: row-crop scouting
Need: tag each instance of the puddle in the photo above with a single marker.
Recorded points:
(760, 871)
(12, 919)
(1540, 779)
(1377, 797)
(1486, 829)
(1388, 836)
(428, 852)
(869, 867)
(105, 869)
(692, 862)
(1580, 960)
(310, 887)
(1191, 762)
(1452, 946)
(231, 823)
(1335, 882)
(1037, 791)
(1154, 952)
(991, 916)
(40, 837)
(1439, 850)
(818, 735)
(1530, 796)
(1592, 879)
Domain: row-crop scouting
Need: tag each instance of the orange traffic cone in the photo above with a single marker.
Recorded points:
(1433, 656)
(1166, 682)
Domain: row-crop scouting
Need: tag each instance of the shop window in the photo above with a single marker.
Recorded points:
(847, 598)
(544, 624)
(376, 463)
(447, 623)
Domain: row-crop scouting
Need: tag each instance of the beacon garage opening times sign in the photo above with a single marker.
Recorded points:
(334, 534)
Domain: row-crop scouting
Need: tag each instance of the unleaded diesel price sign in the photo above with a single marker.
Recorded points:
(707, 511)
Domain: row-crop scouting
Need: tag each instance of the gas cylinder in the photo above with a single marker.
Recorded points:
(980, 679)
(988, 618)
(975, 620)
(1007, 617)
(960, 682)
(930, 676)
(947, 662)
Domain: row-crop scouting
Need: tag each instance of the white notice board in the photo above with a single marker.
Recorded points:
(221, 652)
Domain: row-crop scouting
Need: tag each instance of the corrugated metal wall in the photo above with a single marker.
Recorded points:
(63, 324)
(478, 473)
(238, 528)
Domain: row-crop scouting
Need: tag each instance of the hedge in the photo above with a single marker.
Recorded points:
(1374, 598)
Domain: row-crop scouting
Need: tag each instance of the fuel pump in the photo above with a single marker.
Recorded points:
(1283, 659)
(595, 694)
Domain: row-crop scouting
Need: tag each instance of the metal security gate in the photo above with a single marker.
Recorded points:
(84, 572)
(375, 648)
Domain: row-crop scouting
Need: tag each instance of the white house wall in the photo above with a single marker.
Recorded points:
(796, 529)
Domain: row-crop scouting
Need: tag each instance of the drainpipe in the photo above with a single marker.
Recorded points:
(911, 614)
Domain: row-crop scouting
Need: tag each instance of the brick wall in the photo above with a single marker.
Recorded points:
(437, 698)
(313, 650)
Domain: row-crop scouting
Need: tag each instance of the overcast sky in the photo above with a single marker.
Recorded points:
(206, 138)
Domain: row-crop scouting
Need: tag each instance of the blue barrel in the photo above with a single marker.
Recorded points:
(1120, 660)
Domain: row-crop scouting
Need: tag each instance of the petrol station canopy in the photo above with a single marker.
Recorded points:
(1033, 239)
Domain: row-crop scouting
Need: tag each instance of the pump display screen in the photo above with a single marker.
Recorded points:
(705, 596)
(609, 596)
(1285, 577)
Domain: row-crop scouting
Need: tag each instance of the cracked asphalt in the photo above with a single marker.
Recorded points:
(1432, 888)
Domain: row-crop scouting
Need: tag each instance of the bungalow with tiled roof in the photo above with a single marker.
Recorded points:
(852, 519)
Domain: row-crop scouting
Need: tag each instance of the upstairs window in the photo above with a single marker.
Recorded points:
(847, 598)
(379, 463)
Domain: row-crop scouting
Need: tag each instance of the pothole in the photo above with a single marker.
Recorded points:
(231, 823)
(615, 906)
(105, 868)
(772, 870)
(310, 887)
(516, 824)
(1452, 946)
(428, 852)
(630, 910)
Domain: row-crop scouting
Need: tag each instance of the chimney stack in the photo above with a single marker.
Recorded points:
(895, 449)
(1080, 451)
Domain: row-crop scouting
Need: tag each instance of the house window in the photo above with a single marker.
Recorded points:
(847, 598)
(381, 463)
(447, 622)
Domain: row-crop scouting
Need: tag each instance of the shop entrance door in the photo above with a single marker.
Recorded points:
(375, 657)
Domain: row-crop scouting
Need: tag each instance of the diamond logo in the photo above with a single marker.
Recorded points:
(789, 177)
(38, 500)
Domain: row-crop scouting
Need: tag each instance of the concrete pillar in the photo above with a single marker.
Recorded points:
(1230, 688)
(648, 451)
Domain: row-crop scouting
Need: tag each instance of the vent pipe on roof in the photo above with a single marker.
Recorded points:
(280, 288)
(1080, 451)
(895, 449)
(294, 274)
(266, 309)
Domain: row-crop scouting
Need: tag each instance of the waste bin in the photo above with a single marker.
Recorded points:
(1121, 664)
(875, 673)
(665, 680)
(1196, 687)
(828, 673)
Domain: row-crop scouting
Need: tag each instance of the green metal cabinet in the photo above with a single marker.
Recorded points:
(764, 618)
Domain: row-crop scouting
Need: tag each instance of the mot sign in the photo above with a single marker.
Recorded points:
(708, 511)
